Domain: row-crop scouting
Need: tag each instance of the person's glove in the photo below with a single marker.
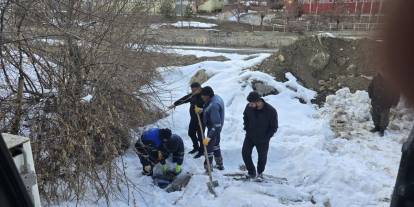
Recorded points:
(171, 107)
(177, 169)
(164, 169)
(206, 141)
(198, 110)
(147, 168)
(160, 157)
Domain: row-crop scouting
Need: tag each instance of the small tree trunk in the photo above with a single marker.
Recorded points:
(19, 103)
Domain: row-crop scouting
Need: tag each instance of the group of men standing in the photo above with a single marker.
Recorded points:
(207, 112)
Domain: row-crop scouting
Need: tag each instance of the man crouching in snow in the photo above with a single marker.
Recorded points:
(260, 124)
(155, 146)
(213, 118)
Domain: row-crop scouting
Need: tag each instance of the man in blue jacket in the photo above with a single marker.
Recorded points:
(213, 119)
(155, 146)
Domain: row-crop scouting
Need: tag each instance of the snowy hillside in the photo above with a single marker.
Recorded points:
(353, 171)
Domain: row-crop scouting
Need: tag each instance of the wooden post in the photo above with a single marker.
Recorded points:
(310, 7)
(355, 12)
(362, 11)
(379, 11)
(370, 14)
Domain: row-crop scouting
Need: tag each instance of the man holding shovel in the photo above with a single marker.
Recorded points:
(213, 119)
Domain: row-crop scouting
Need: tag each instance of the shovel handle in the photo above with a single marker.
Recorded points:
(205, 150)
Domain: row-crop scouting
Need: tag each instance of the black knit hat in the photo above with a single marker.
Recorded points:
(253, 97)
(207, 91)
(195, 85)
(165, 134)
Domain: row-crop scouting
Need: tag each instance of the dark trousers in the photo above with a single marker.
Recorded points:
(213, 149)
(380, 117)
(261, 149)
(195, 134)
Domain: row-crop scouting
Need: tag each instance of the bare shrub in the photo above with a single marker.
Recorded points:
(76, 77)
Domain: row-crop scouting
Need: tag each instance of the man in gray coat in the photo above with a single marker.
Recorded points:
(213, 118)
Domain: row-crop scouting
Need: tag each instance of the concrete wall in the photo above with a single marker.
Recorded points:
(234, 39)
(258, 39)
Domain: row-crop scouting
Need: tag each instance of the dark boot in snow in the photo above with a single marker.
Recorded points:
(219, 163)
(250, 176)
(146, 173)
(193, 151)
(260, 178)
(381, 132)
(219, 167)
(198, 155)
(373, 130)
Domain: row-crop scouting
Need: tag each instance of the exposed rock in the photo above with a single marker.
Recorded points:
(216, 58)
(263, 89)
(320, 60)
(341, 61)
(200, 77)
(281, 58)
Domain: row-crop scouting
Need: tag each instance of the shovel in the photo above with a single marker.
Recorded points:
(212, 183)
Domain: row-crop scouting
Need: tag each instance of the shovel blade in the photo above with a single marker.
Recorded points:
(211, 189)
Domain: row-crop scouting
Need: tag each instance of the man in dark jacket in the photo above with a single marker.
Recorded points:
(260, 124)
(213, 114)
(194, 98)
(155, 146)
(382, 99)
(403, 195)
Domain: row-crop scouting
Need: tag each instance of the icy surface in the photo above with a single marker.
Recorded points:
(322, 169)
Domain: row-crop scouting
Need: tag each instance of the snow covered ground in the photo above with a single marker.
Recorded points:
(186, 24)
(321, 169)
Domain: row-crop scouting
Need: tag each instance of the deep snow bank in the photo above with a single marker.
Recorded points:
(322, 169)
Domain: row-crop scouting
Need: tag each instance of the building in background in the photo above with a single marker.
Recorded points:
(349, 6)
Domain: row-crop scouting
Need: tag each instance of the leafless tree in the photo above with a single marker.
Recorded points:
(237, 9)
(76, 76)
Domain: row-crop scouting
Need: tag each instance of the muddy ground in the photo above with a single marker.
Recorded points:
(326, 64)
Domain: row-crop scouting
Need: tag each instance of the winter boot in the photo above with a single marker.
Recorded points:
(375, 129)
(193, 151)
(250, 176)
(146, 173)
(260, 178)
(198, 155)
(219, 163)
(381, 132)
